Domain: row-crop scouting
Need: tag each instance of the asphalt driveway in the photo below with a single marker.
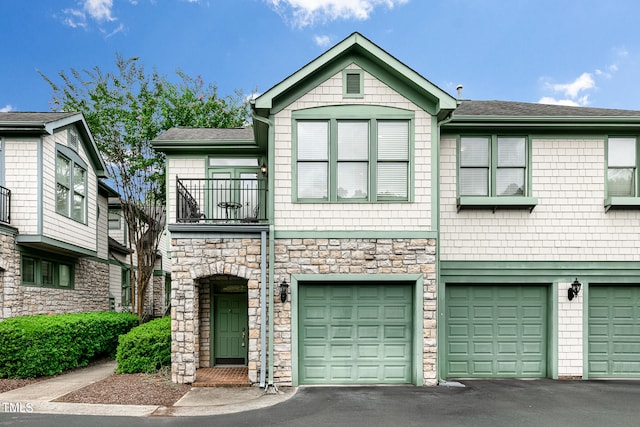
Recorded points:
(481, 403)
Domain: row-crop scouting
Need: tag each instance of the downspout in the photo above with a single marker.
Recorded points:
(263, 291)
(439, 291)
(263, 300)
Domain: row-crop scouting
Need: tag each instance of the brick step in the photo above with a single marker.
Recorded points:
(222, 377)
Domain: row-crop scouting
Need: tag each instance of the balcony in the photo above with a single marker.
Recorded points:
(214, 201)
(5, 205)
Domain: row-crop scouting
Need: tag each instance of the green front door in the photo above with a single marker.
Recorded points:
(231, 333)
(355, 333)
(614, 331)
(496, 331)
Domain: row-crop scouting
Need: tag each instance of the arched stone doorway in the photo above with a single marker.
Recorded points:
(224, 322)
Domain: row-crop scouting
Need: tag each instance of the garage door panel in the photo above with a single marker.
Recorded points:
(504, 335)
(368, 333)
(614, 331)
(368, 313)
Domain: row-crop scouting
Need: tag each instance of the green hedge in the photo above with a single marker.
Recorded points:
(42, 345)
(145, 348)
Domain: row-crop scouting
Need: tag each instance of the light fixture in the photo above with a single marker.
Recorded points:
(283, 291)
(574, 290)
(263, 169)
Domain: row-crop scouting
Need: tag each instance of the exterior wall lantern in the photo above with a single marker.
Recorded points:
(574, 290)
(263, 169)
(283, 291)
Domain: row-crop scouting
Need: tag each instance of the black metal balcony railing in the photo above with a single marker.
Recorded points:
(5, 205)
(223, 201)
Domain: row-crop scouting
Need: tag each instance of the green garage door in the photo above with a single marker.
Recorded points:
(496, 331)
(614, 331)
(354, 333)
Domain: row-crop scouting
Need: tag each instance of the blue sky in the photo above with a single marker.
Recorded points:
(574, 52)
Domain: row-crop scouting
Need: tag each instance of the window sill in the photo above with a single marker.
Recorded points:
(494, 203)
(621, 203)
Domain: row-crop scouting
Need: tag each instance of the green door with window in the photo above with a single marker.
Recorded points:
(231, 332)
(355, 333)
(496, 331)
(614, 331)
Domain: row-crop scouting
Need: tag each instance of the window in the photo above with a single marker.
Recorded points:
(507, 177)
(114, 219)
(126, 287)
(621, 170)
(71, 188)
(494, 171)
(353, 160)
(353, 84)
(45, 272)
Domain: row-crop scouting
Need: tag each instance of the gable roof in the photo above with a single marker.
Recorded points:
(357, 48)
(204, 139)
(514, 114)
(46, 123)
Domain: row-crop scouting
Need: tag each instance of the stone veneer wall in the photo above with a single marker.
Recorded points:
(356, 256)
(90, 292)
(195, 260)
(9, 270)
(193, 263)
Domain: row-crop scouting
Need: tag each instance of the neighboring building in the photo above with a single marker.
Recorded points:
(63, 244)
(53, 223)
(532, 198)
(370, 228)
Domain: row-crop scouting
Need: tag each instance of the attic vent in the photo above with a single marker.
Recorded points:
(73, 139)
(352, 83)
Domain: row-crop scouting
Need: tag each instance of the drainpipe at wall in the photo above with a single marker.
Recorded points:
(263, 304)
(263, 311)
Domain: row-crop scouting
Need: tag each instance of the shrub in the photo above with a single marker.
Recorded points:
(42, 345)
(146, 348)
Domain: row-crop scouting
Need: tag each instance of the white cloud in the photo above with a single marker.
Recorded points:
(322, 41)
(582, 83)
(6, 108)
(100, 10)
(553, 101)
(303, 13)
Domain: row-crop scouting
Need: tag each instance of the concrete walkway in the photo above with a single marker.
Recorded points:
(38, 398)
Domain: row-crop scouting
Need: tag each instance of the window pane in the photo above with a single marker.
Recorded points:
(63, 171)
(47, 272)
(353, 140)
(28, 270)
(510, 182)
(352, 180)
(62, 199)
(392, 180)
(474, 152)
(78, 207)
(393, 140)
(621, 182)
(313, 140)
(312, 180)
(65, 275)
(474, 182)
(78, 180)
(622, 152)
(511, 152)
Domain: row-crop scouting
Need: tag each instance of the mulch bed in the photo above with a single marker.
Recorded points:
(130, 389)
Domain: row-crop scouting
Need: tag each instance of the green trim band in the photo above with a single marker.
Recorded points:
(356, 234)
